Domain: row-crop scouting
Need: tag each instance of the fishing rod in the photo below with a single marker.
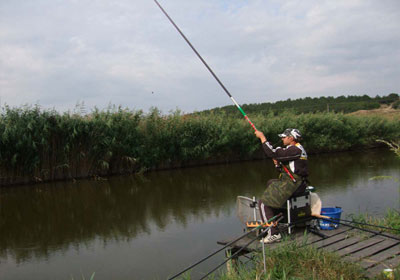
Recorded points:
(208, 67)
(217, 79)
(227, 245)
(366, 230)
(237, 252)
(365, 224)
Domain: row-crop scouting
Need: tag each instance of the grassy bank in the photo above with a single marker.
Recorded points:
(39, 145)
(390, 220)
(295, 261)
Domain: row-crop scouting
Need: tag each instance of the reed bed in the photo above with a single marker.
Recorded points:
(41, 145)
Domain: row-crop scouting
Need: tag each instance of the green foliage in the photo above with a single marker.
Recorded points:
(390, 220)
(393, 145)
(341, 104)
(291, 260)
(41, 145)
(294, 261)
(84, 278)
(388, 99)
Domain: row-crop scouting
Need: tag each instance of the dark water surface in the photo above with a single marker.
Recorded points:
(152, 226)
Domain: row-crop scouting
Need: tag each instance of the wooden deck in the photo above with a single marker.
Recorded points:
(372, 251)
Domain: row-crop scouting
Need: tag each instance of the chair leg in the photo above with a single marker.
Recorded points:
(288, 217)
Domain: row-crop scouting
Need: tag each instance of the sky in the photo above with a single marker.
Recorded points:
(96, 53)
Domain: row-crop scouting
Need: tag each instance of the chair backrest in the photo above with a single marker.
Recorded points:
(300, 200)
(300, 207)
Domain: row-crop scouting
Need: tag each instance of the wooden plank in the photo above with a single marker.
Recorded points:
(298, 236)
(389, 263)
(360, 245)
(347, 242)
(393, 262)
(285, 239)
(243, 242)
(388, 234)
(330, 240)
(224, 242)
(342, 244)
(381, 256)
(240, 243)
(310, 238)
(366, 252)
(339, 230)
(307, 238)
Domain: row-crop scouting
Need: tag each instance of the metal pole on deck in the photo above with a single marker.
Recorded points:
(265, 263)
(254, 209)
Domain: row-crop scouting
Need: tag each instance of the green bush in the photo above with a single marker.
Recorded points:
(39, 145)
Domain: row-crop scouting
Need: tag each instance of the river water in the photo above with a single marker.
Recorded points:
(154, 225)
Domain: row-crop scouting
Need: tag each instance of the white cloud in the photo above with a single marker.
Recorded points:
(99, 52)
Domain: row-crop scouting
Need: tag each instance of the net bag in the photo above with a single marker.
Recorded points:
(247, 209)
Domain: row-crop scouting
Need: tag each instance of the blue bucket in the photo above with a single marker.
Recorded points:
(333, 212)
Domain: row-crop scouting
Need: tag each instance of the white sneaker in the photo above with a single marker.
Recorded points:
(271, 238)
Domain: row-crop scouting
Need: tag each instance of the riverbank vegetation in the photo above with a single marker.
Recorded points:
(390, 220)
(343, 104)
(393, 145)
(293, 260)
(41, 145)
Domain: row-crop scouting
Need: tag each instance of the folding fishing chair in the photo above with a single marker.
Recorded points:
(298, 210)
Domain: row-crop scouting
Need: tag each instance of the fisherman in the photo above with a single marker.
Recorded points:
(291, 163)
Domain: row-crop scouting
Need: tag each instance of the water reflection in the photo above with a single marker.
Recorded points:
(342, 170)
(37, 221)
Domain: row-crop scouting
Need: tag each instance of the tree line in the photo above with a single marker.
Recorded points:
(340, 104)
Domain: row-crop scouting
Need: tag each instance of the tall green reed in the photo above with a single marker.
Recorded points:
(38, 144)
